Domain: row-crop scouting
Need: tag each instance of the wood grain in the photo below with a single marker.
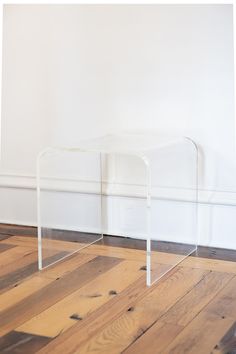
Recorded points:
(120, 252)
(21, 260)
(59, 269)
(8, 230)
(134, 318)
(227, 344)
(210, 264)
(179, 315)
(39, 280)
(13, 255)
(47, 244)
(84, 301)
(4, 247)
(23, 290)
(24, 343)
(53, 292)
(99, 318)
(119, 334)
(13, 278)
(202, 334)
(4, 237)
(97, 301)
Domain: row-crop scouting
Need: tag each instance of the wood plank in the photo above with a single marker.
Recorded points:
(74, 236)
(170, 247)
(14, 266)
(113, 331)
(14, 254)
(119, 252)
(111, 317)
(224, 303)
(138, 244)
(23, 271)
(47, 243)
(131, 254)
(200, 335)
(155, 339)
(4, 247)
(102, 315)
(4, 237)
(164, 258)
(59, 269)
(228, 343)
(203, 333)
(53, 292)
(16, 343)
(23, 259)
(136, 320)
(162, 333)
(84, 301)
(16, 272)
(85, 237)
(195, 300)
(38, 281)
(24, 289)
(210, 264)
(8, 230)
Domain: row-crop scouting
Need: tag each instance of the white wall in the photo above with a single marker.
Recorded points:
(76, 71)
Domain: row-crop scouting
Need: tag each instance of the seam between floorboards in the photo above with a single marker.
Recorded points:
(201, 310)
(145, 293)
(208, 272)
(15, 329)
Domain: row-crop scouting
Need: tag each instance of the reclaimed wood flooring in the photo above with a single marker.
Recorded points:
(96, 301)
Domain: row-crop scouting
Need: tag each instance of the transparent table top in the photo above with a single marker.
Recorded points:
(127, 143)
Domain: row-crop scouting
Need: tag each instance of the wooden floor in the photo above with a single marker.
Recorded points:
(96, 301)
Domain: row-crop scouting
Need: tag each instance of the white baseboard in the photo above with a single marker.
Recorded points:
(205, 196)
(217, 212)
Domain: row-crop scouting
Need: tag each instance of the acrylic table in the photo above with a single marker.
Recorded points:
(142, 186)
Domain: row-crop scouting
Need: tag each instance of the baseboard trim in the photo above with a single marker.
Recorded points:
(208, 196)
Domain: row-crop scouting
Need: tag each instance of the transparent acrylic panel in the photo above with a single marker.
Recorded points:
(130, 185)
(172, 207)
(69, 203)
(125, 200)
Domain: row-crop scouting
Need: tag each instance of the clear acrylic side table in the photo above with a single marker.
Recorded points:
(136, 185)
